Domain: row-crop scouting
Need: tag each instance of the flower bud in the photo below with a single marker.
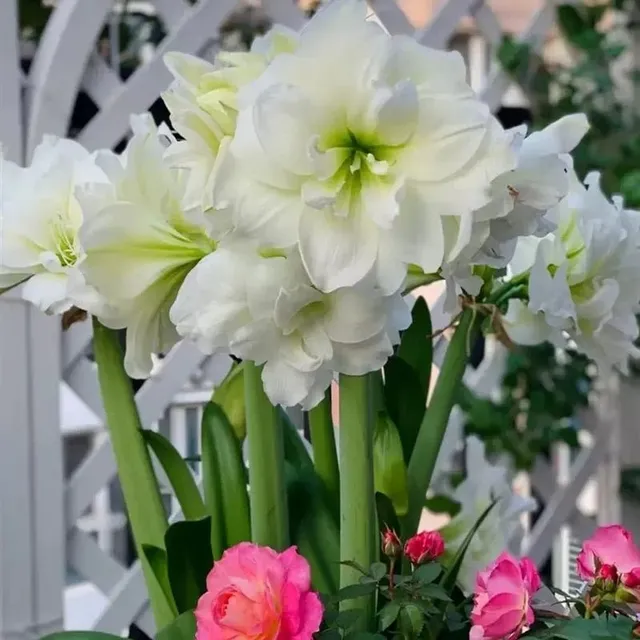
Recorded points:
(631, 579)
(391, 544)
(607, 578)
(424, 547)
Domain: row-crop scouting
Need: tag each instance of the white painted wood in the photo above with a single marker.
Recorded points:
(443, 25)
(392, 17)
(11, 123)
(31, 516)
(286, 13)
(59, 65)
(195, 31)
(100, 81)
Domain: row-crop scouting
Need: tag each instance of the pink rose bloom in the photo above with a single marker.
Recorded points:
(502, 599)
(256, 593)
(611, 546)
(424, 547)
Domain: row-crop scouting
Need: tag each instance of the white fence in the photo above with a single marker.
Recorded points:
(40, 516)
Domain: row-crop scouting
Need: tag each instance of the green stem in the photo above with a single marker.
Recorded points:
(267, 491)
(135, 471)
(434, 424)
(358, 542)
(325, 457)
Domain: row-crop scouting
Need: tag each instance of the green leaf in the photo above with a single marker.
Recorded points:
(178, 474)
(212, 485)
(182, 628)
(416, 344)
(603, 628)
(571, 22)
(427, 573)
(232, 475)
(157, 558)
(229, 396)
(80, 635)
(405, 400)
(389, 614)
(346, 619)
(365, 635)
(389, 469)
(189, 560)
(353, 591)
(378, 570)
(450, 576)
(411, 620)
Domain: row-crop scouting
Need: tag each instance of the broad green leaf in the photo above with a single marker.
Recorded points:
(378, 570)
(157, 558)
(405, 399)
(229, 396)
(387, 517)
(295, 451)
(390, 471)
(232, 475)
(189, 560)
(450, 576)
(416, 344)
(411, 620)
(346, 619)
(81, 635)
(212, 485)
(353, 591)
(178, 474)
(389, 614)
(427, 573)
(182, 628)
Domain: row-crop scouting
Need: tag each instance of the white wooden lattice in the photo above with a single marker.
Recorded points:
(66, 62)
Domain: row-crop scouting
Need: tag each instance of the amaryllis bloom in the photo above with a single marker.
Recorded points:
(202, 101)
(363, 150)
(610, 551)
(261, 306)
(502, 599)
(583, 278)
(140, 244)
(256, 593)
(424, 547)
(391, 543)
(40, 221)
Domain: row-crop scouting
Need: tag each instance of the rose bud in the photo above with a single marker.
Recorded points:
(391, 544)
(424, 547)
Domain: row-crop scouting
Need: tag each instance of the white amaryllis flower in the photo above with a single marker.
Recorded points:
(40, 220)
(484, 484)
(523, 196)
(266, 310)
(140, 244)
(357, 148)
(202, 101)
(583, 283)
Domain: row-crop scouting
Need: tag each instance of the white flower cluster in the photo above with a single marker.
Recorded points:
(309, 176)
(583, 283)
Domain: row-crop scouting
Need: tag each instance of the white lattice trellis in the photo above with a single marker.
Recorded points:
(31, 565)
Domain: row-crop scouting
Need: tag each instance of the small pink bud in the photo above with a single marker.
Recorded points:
(631, 579)
(391, 544)
(424, 547)
(608, 572)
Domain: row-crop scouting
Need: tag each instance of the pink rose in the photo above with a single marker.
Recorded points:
(256, 593)
(610, 552)
(424, 547)
(502, 599)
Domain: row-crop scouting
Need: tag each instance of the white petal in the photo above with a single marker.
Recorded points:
(290, 303)
(355, 316)
(337, 251)
(285, 385)
(48, 292)
(523, 326)
(417, 234)
(562, 136)
(362, 357)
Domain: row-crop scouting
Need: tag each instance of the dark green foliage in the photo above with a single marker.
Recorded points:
(540, 398)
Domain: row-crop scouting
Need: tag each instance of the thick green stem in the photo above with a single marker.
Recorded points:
(358, 542)
(325, 457)
(267, 491)
(434, 424)
(138, 481)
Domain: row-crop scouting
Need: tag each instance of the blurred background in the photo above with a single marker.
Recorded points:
(568, 433)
